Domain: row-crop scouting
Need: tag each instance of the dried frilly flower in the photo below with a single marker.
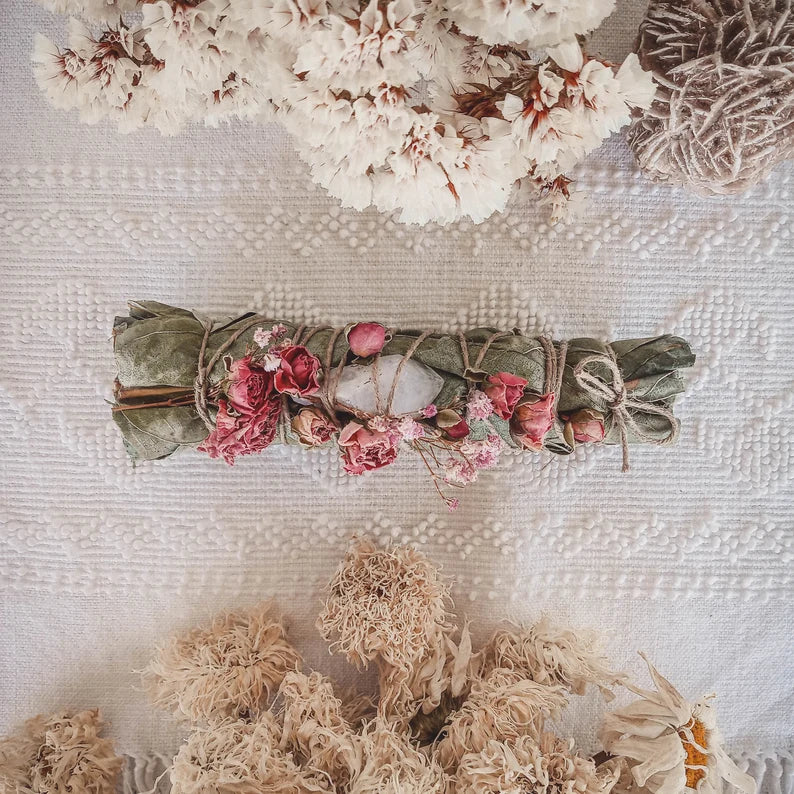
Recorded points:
(239, 756)
(502, 706)
(59, 754)
(671, 745)
(230, 669)
(723, 115)
(390, 607)
(534, 23)
(389, 763)
(552, 655)
(315, 729)
(526, 765)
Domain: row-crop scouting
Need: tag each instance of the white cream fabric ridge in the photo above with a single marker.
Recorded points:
(688, 557)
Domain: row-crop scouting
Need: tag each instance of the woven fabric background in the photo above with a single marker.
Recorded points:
(688, 557)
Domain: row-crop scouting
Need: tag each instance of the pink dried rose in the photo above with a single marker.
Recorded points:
(587, 426)
(429, 411)
(313, 427)
(452, 423)
(504, 390)
(532, 419)
(298, 371)
(248, 386)
(366, 339)
(242, 434)
(363, 450)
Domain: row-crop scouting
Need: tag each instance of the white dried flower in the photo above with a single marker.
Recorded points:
(671, 746)
(532, 23)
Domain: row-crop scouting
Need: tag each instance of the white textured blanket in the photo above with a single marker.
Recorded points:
(689, 556)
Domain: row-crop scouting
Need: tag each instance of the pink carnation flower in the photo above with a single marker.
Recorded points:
(504, 390)
(363, 450)
(241, 434)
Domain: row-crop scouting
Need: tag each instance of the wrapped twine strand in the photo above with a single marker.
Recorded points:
(613, 393)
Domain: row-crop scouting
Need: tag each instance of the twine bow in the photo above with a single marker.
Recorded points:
(620, 404)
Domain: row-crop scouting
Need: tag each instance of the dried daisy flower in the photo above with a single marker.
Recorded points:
(390, 607)
(526, 765)
(230, 669)
(60, 754)
(239, 756)
(502, 706)
(671, 745)
(549, 654)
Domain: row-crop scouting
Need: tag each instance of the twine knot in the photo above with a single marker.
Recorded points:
(614, 393)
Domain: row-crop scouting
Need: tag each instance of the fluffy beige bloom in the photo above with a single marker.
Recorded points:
(241, 757)
(503, 706)
(671, 745)
(315, 728)
(230, 669)
(390, 763)
(551, 654)
(390, 606)
(529, 766)
(60, 754)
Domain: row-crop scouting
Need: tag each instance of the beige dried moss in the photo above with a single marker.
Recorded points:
(230, 669)
(59, 754)
(551, 655)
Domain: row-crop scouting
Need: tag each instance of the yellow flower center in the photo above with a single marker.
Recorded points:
(695, 757)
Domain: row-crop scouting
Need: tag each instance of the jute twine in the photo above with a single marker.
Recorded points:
(620, 404)
(613, 392)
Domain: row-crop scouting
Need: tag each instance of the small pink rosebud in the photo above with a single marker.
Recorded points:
(587, 426)
(366, 339)
(429, 411)
(460, 430)
(453, 505)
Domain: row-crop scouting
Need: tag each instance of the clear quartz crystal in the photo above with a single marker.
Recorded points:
(417, 386)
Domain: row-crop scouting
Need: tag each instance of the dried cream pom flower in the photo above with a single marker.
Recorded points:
(60, 754)
(534, 23)
(390, 763)
(551, 655)
(502, 706)
(670, 744)
(528, 766)
(388, 606)
(315, 729)
(230, 669)
(241, 757)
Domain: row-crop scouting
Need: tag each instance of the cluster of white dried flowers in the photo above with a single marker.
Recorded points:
(448, 719)
(436, 110)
